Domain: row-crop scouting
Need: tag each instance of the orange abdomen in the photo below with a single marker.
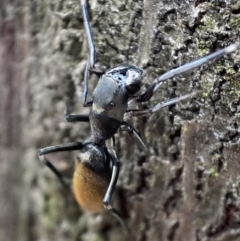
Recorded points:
(89, 188)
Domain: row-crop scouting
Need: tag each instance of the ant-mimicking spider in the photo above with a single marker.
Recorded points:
(96, 166)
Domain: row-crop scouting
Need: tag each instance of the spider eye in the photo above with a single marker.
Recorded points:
(111, 103)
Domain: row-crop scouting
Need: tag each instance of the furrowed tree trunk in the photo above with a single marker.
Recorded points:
(187, 186)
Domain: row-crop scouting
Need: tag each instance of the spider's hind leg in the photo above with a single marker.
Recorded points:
(107, 198)
(72, 146)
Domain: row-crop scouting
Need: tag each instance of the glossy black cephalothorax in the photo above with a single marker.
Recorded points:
(96, 166)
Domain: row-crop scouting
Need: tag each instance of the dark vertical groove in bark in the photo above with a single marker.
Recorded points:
(146, 34)
(11, 63)
(187, 230)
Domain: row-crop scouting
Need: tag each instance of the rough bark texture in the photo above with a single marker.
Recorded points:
(187, 188)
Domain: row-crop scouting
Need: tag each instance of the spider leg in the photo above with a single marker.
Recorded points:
(77, 118)
(92, 51)
(170, 74)
(107, 198)
(134, 134)
(73, 117)
(113, 181)
(86, 102)
(147, 112)
(72, 146)
(90, 65)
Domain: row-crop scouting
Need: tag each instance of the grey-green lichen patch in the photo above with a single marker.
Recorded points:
(51, 214)
(234, 21)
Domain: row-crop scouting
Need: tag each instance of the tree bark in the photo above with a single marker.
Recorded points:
(186, 187)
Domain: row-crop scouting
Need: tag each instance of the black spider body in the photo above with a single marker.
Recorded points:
(110, 100)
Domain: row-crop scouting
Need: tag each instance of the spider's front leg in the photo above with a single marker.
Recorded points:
(172, 73)
(184, 68)
(90, 65)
